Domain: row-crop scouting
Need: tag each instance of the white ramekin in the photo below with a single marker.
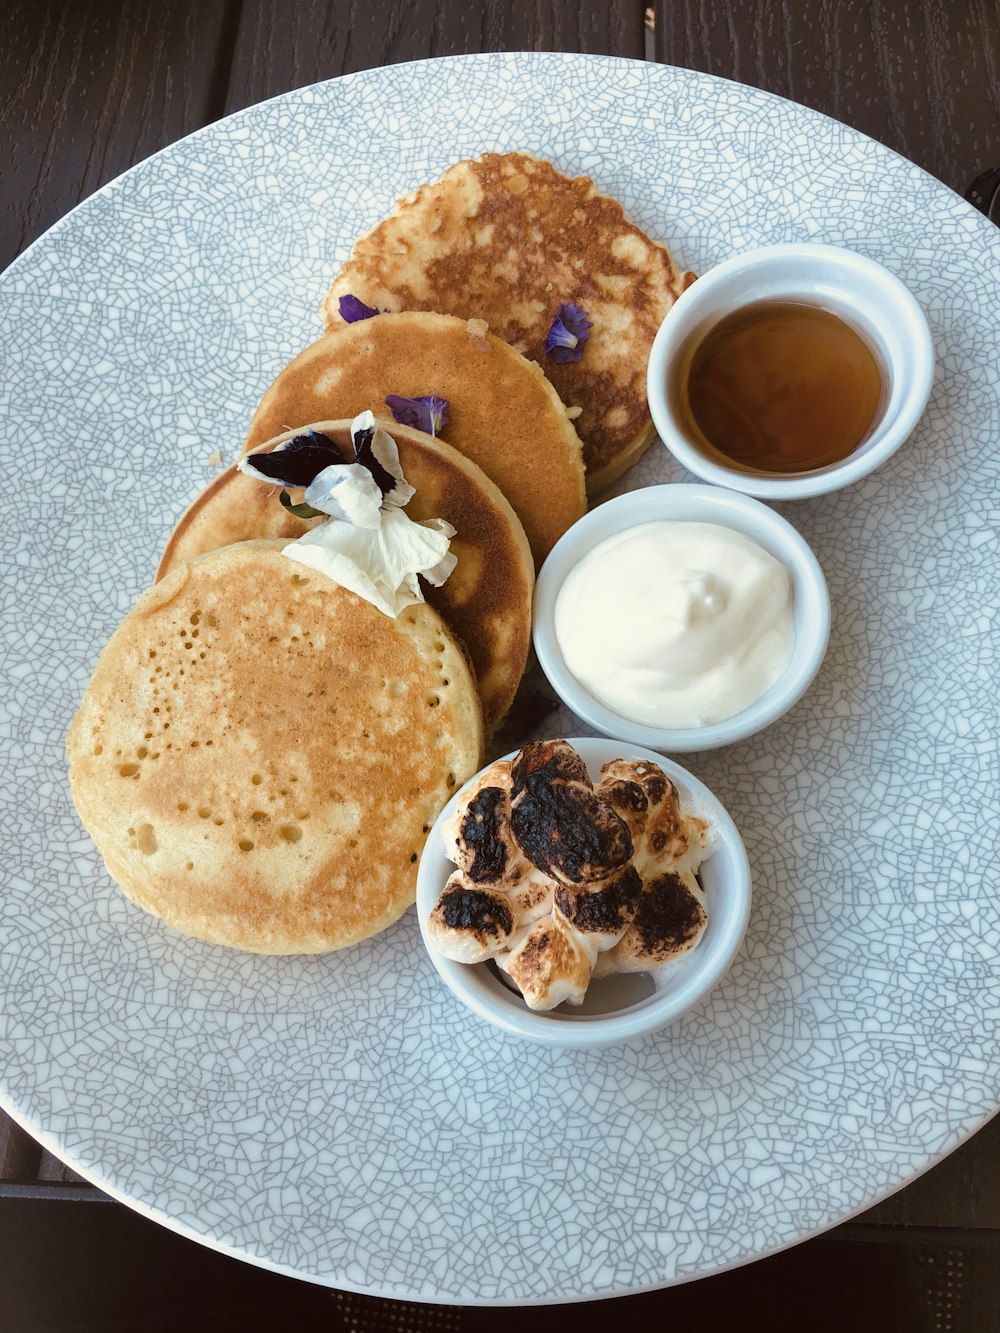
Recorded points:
(696, 504)
(866, 295)
(611, 1013)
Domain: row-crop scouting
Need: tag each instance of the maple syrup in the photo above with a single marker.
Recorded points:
(781, 386)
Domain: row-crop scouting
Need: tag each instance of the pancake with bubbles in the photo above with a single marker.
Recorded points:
(260, 753)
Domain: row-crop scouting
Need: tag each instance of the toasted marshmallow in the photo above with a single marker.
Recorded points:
(468, 923)
(669, 921)
(531, 897)
(621, 788)
(561, 825)
(602, 912)
(496, 892)
(478, 836)
(670, 917)
(550, 963)
(662, 834)
(560, 881)
(548, 761)
(554, 960)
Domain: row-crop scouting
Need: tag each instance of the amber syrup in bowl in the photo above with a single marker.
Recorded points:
(790, 371)
(780, 386)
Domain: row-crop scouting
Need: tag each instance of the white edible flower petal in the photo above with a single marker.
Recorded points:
(442, 571)
(347, 491)
(408, 547)
(360, 545)
(445, 567)
(386, 452)
(439, 525)
(409, 593)
(368, 544)
(343, 571)
(379, 564)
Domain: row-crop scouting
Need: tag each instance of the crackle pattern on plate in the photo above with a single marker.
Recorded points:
(342, 1118)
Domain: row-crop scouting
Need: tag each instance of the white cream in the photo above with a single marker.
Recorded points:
(675, 624)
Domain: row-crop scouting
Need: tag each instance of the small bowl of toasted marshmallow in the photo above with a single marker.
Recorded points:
(582, 893)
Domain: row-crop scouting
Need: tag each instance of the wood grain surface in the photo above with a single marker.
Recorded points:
(20, 1155)
(278, 47)
(90, 87)
(922, 76)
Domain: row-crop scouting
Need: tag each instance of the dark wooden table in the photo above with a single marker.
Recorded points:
(89, 87)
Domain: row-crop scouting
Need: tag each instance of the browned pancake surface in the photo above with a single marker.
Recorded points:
(487, 599)
(259, 753)
(505, 416)
(508, 238)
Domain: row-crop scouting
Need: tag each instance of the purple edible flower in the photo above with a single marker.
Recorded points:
(352, 309)
(568, 334)
(296, 463)
(427, 414)
(363, 454)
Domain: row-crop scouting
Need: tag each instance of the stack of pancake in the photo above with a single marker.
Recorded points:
(508, 239)
(486, 602)
(505, 416)
(260, 753)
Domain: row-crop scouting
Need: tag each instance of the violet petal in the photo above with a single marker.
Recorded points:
(298, 462)
(568, 334)
(427, 414)
(363, 435)
(352, 309)
(386, 451)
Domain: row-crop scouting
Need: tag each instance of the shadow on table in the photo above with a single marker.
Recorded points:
(95, 1267)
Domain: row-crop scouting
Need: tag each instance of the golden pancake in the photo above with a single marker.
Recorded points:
(505, 416)
(259, 753)
(508, 239)
(487, 599)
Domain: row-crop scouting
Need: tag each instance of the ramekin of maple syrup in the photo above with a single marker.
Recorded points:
(790, 371)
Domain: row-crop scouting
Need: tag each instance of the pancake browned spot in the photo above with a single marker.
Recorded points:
(508, 238)
(487, 599)
(256, 756)
(505, 415)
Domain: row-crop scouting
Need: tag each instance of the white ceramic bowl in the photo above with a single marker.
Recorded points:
(697, 504)
(863, 293)
(621, 1007)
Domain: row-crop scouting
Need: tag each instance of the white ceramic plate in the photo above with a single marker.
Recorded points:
(343, 1118)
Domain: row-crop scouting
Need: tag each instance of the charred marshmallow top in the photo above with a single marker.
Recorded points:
(560, 881)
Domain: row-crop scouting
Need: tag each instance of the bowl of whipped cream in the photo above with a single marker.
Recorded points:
(582, 893)
(681, 617)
